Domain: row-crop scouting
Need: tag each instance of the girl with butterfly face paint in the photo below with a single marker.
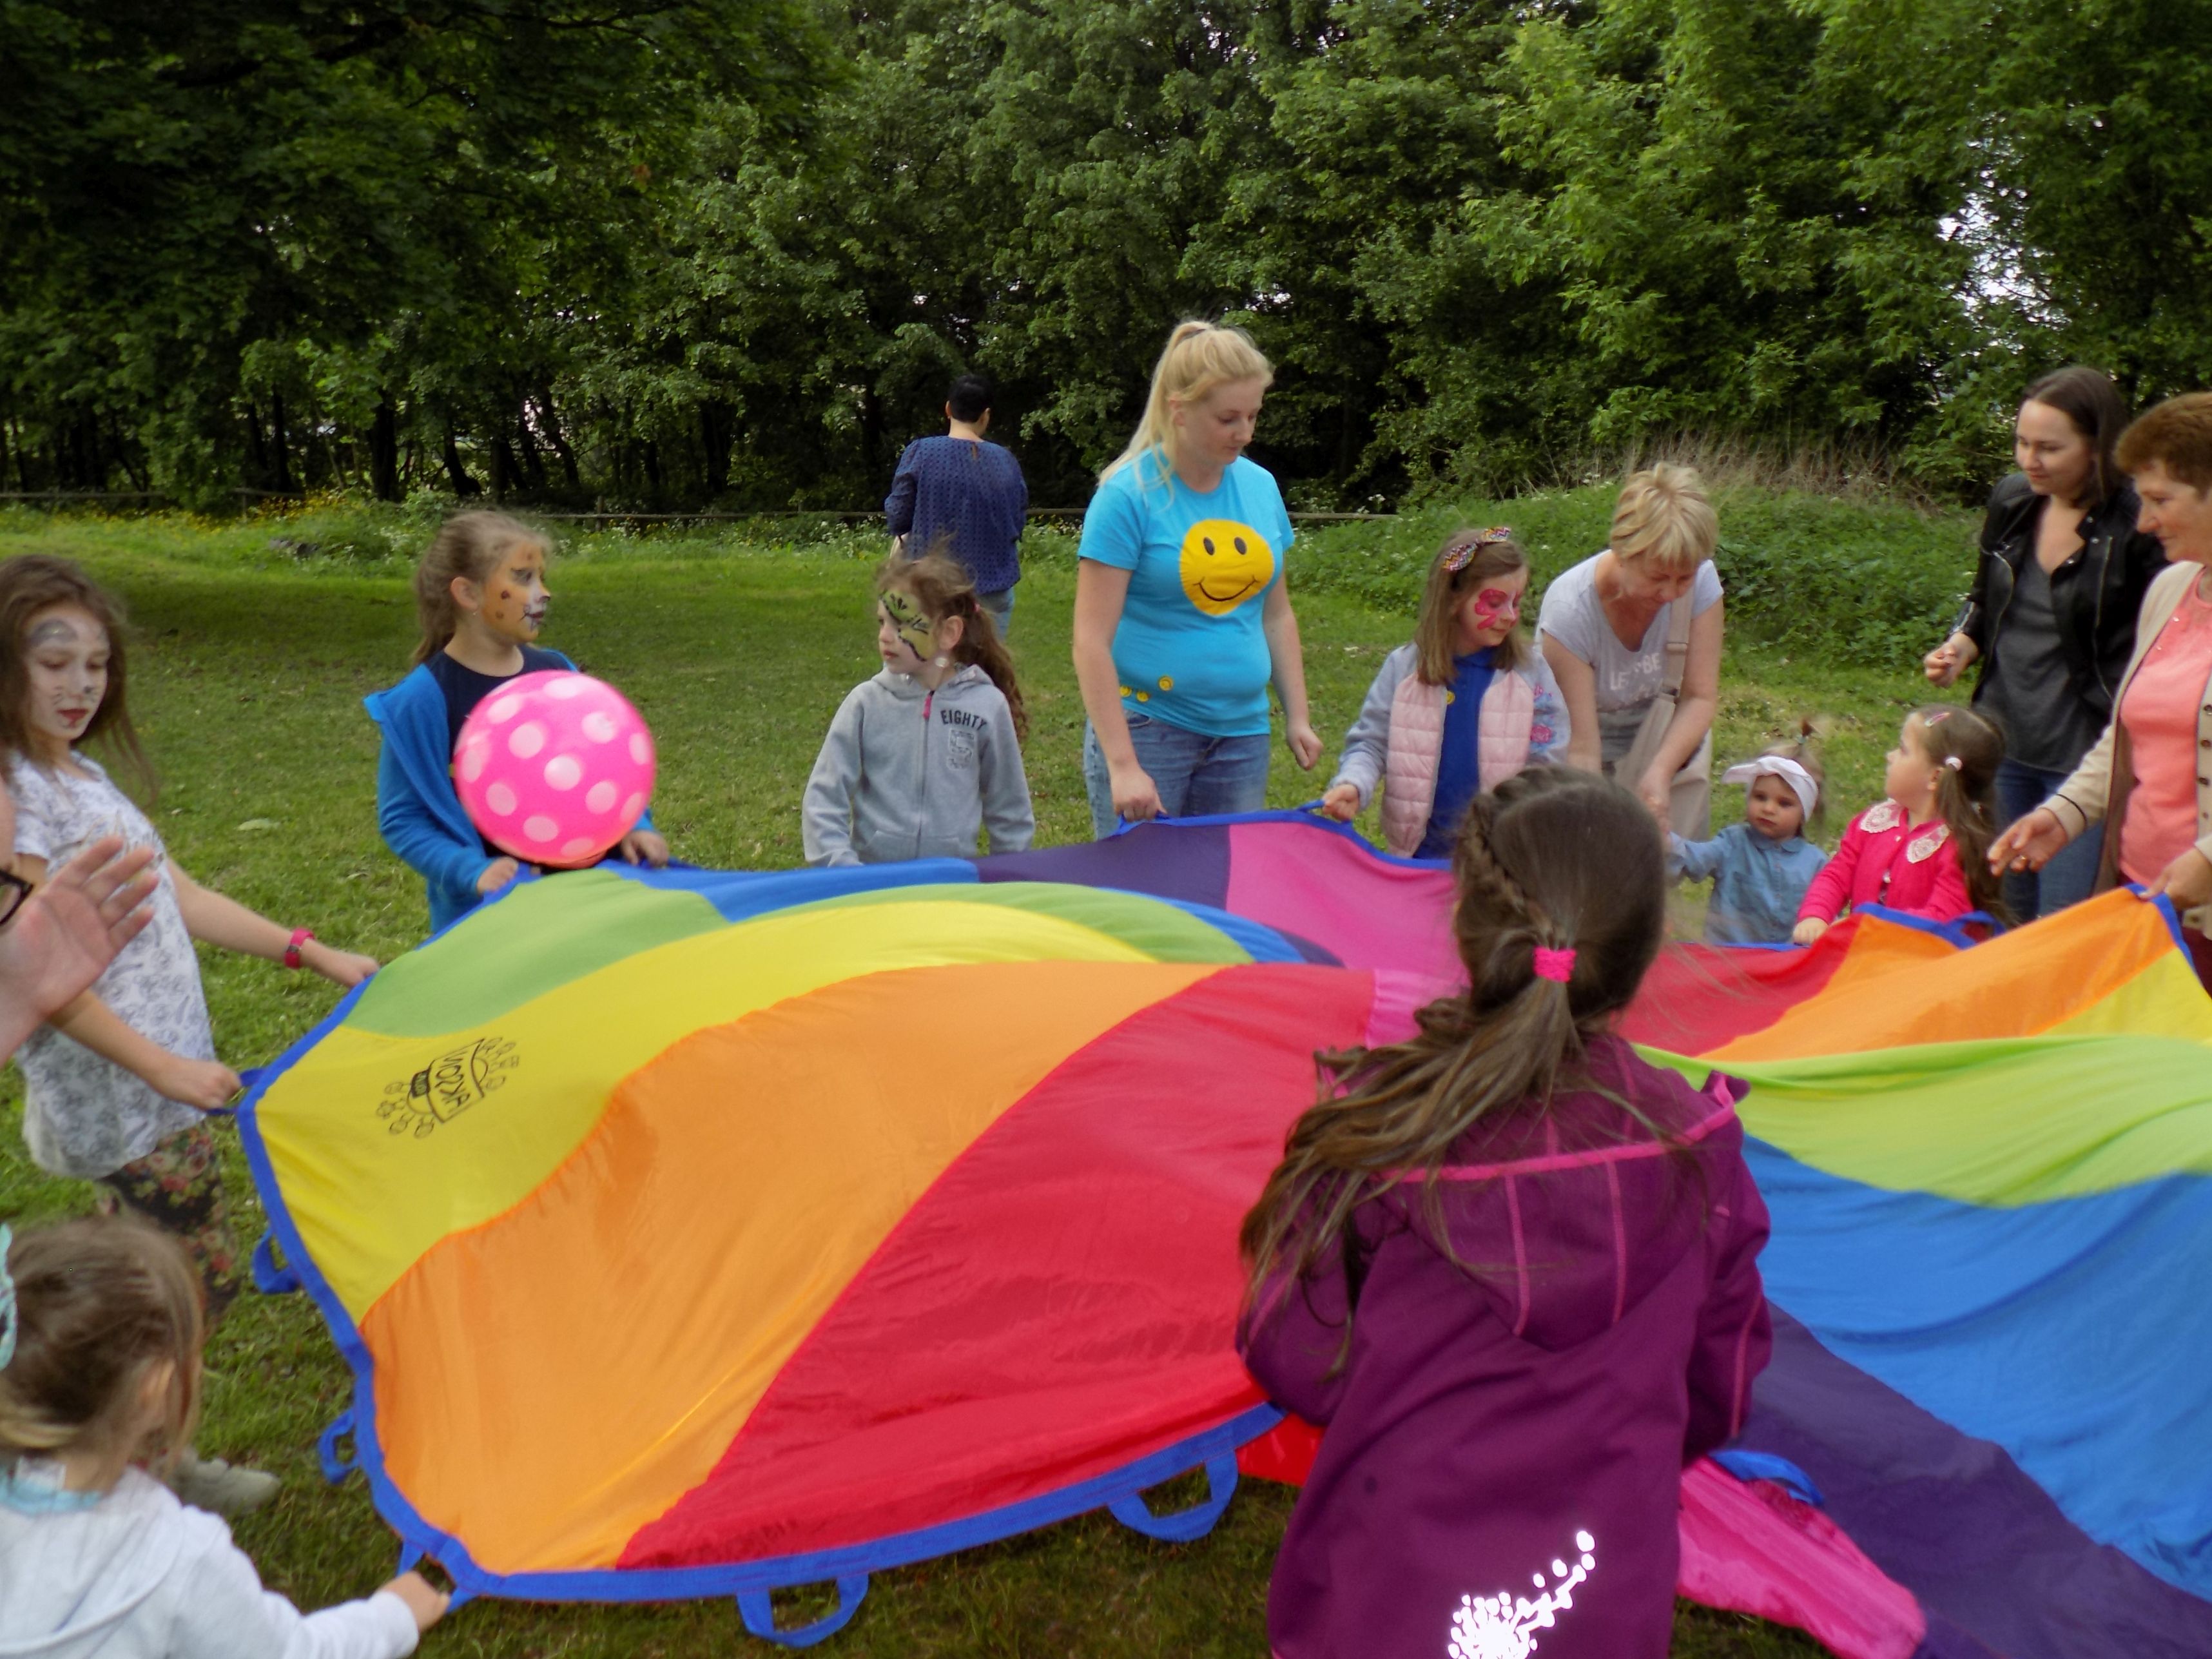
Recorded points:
(1467, 705)
(926, 755)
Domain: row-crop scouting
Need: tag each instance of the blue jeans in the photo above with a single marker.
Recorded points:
(1197, 776)
(1000, 604)
(2068, 877)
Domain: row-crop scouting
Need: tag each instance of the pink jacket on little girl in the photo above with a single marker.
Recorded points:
(1398, 740)
(1885, 858)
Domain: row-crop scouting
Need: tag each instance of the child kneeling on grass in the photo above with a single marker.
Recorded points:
(480, 594)
(1512, 1269)
(1760, 868)
(99, 1380)
(928, 752)
(1468, 703)
(1924, 848)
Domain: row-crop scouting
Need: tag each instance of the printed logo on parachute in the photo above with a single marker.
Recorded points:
(447, 1086)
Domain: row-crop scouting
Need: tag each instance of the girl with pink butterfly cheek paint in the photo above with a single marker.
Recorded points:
(1467, 705)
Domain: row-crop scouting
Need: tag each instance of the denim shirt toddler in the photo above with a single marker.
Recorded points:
(1758, 884)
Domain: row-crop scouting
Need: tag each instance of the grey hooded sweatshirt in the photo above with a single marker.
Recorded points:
(907, 773)
(138, 1576)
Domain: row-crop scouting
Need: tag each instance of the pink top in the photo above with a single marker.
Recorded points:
(1885, 858)
(2159, 713)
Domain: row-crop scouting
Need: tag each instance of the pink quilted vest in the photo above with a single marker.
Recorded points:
(1417, 744)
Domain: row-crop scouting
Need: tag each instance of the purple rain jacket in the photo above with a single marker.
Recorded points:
(1505, 1442)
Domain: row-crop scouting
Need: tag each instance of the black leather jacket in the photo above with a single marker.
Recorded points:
(2097, 592)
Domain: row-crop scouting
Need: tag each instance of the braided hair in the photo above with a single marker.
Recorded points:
(1554, 861)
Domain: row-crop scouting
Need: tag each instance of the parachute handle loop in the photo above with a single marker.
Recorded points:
(759, 1615)
(335, 1468)
(1186, 1526)
(271, 1277)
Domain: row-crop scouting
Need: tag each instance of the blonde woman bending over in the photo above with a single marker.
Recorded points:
(1181, 616)
(1633, 637)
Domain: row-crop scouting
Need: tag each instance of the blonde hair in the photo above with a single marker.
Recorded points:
(98, 1302)
(1436, 634)
(1199, 357)
(468, 544)
(1663, 514)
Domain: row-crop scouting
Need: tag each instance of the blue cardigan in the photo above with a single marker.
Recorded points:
(417, 811)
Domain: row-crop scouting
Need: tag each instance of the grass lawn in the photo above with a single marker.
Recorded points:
(247, 668)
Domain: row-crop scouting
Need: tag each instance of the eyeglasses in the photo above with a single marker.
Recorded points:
(13, 890)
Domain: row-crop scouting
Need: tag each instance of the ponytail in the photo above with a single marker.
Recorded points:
(1967, 748)
(1562, 904)
(1199, 357)
(468, 545)
(941, 586)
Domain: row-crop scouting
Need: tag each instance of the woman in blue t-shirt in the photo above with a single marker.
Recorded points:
(1181, 616)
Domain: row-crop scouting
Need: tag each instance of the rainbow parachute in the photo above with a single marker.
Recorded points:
(696, 1233)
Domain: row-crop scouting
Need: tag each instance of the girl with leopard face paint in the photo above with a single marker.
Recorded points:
(926, 755)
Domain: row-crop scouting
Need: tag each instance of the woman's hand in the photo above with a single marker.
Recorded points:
(346, 968)
(497, 874)
(1341, 803)
(644, 847)
(427, 1604)
(1809, 931)
(1948, 661)
(2030, 843)
(65, 934)
(1655, 789)
(1306, 746)
(2186, 882)
(208, 1085)
(1136, 797)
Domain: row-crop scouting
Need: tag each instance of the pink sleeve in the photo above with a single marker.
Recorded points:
(1735, 1333)
(1950, 897)
(1831, 889)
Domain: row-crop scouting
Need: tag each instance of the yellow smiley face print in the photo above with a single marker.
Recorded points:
(1223, 564)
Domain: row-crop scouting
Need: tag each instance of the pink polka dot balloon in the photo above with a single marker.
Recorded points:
(555, 768)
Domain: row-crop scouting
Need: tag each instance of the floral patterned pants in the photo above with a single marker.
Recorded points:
(179, 1188)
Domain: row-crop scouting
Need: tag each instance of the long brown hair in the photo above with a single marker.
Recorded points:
(1969, 748)
(1436, 631)
(469, 545)
(2091, 403)
(940, 586)
(1554, 859)
(97, 1302)
(32, 583)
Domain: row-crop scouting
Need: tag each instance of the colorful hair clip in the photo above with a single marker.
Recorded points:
(1459, 552)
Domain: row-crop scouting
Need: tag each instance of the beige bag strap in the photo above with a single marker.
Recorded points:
(1661, 714)
(1677, 668)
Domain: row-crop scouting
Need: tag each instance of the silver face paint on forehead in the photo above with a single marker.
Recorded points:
(60, 630)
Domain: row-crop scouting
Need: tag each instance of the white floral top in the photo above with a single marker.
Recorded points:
(87, 1117)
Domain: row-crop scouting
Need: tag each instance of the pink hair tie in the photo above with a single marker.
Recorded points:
(1556, 965)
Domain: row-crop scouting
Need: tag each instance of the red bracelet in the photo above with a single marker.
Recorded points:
(300, 936)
